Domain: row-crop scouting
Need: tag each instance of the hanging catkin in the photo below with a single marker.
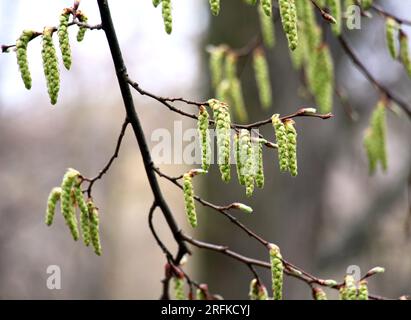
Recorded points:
(189, 199)
(405, 52)
(277, 269)
(204, 134)
(363, 290)
(267, 28)
(262, 76)
(94, 223)
(288, 14)
(84, 215)
(391, 32)
(53, 198)
(267, 6)
(323, 79)
(239, 163)
(223, 130)
(259, 171)
(64, 40)
(335, 11)
(215, 7)
(67, 201)
(21, 54)
(82, 30)
(216, 64)
(319, 294)
(257, 291)
(167, 15)
(247, 157)
(235, 89)
(375, 139)
(292, 146)
(281, 137)
(50, 65)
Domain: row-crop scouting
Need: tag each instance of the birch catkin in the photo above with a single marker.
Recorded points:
(204, 134)
(84, 215)
(50, 65)
(53, 198)
(94, 223)
(391, 32)
(335, 11)
(67, 204)
(246, 156)
(223, 129)
(323, 79)
(82, 30)
(64, 40)
(267, 28)
(405, 52)
(288, 14)
(267, 6)
(281, 137)
(21, 54)
(258, 153)
(178, 286)
(277, 270)
(216, 64)
(238, 160)
(292, 146)
(363, 290)
(262, 76)
(167, 15)
(215, 7)
(189, 199)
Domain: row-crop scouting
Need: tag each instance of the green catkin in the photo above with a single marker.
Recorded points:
(319, 294)
(50, 65)
(21, 54)
(362, 290)
(84, 215)
(262, 76)
(82, 30)
(223, 91)
(242, 207)
(281, 137)
(67, 205)
(336, 12)
(247, 157)
(405, 52)
(189, 199)
(216, 64)
(215, 7)
(156, 3)
(323, 81)
(94, 223)
(204, 134)
(235, 90)
(288, 14)
(53, 198)
(391, 30)
(267, 28)
(349, 290)
(277, 269)
(375, 139)
(167, 15)
(267, 6)
(292, 147)
(64, 40)
(222, 119)
(178, 286)
(297, 56)
(239, 163)
(257, 291)
(259, 173)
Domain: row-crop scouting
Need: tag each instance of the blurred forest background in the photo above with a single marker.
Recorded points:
(331, 216)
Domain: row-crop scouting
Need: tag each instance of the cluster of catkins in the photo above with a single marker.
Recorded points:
(48, 52)
(227, 85)
(71, 196)
(286, 137)
(397, 43)
(375, 138)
